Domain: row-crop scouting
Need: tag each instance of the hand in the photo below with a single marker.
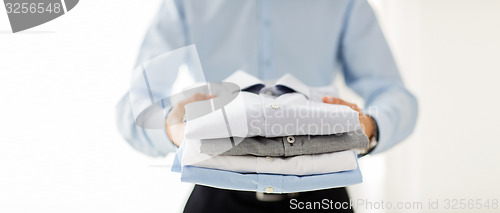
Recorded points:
(175, 119)
(367, 122)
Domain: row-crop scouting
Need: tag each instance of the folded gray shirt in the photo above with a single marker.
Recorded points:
(285, 146)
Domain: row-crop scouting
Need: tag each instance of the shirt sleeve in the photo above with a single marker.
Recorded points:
(370, 70)
(168, 32)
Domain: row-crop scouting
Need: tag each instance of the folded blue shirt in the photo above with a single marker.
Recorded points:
(260, 182)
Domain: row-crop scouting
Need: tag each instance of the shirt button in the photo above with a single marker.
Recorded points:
(269, 93)
(270, 159)
(275, 106)
(290, 139)
(269, 190)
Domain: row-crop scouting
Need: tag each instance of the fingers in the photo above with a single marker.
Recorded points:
(198, 97)
(335, 100)
(177, 113)
(331, 100)
(194, 98)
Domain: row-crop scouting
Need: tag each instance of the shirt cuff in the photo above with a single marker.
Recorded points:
(159, 137)
(385, 126)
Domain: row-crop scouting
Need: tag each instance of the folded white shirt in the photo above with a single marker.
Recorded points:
(264, 114)
(298, 165)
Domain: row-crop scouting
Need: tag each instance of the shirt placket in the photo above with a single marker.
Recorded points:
(265, 39)
(270, 108)
(293, 145)
(270, 183)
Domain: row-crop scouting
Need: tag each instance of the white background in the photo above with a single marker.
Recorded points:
(59, 83)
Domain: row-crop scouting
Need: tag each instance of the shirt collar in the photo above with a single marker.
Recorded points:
(293, 83)
(245, 81)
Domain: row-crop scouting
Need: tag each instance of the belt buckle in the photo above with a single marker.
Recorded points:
(267, 197)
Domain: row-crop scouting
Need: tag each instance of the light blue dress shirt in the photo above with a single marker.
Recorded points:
(312, 40)
(261, 182)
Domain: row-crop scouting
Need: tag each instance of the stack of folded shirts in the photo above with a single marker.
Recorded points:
(274, 138)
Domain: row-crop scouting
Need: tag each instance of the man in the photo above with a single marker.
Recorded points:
(312, 40)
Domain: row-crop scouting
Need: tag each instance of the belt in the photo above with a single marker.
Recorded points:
(267, 197)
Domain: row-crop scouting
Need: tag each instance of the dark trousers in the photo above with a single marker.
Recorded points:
(208, 199)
